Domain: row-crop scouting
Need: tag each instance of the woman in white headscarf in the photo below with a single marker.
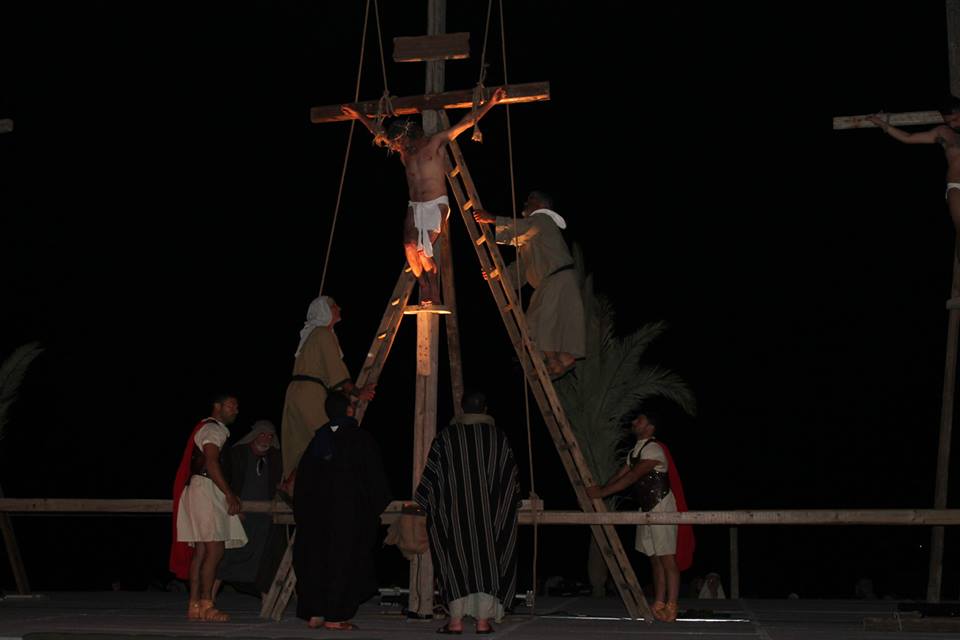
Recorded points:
(317, 371)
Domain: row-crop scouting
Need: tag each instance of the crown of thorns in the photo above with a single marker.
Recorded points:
(401, 128)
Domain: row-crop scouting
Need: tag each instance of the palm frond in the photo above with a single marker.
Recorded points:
(612, 379)
(12, 372)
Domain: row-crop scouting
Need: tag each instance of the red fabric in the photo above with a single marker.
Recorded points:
(180, 552)
(685, 540)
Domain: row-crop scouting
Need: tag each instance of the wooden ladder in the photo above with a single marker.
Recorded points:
(608, 541)
(508, 302)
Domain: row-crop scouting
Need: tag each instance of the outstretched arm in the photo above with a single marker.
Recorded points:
(366, 121)
(469, 120)
(920, 137)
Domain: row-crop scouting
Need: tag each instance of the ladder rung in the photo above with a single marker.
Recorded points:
(454, 172)
(382, 335)
(494, 274)
(395, 302)
(406, 270)
(481, 240)
(468, 204)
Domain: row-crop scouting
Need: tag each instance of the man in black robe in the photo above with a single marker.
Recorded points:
(470, 492)
(253, 469)
(341, 491)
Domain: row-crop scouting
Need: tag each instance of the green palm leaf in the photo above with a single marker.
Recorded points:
(12, 372)
(611, 380)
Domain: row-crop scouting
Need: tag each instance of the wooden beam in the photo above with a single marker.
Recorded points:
(516, 93)
(905, 119)
(841, 517)
(13, 553)
(452, 325)
(424, 430)
(734, 564)
(444, 46)
(935, 573)
(953, 45)
(909, 622)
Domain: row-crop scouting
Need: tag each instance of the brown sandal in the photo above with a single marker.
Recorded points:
(209, 613)
(193, 610)
(659, 610)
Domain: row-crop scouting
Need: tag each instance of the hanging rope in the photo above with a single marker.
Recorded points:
(535, 499)
(346, 155)
(385, 104)
(480, 91)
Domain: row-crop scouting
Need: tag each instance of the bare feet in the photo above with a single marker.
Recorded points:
(340, 626)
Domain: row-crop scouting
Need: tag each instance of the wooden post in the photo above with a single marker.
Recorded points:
(445, 264)
(13, 553)
(734, 564)
(946, 428)
(425, 428)
(428, 334)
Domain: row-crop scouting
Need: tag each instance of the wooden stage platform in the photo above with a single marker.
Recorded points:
(152, 615)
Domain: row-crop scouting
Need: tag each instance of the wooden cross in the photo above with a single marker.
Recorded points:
(953, 304)
(434, 49)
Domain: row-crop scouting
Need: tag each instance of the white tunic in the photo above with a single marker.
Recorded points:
(202, 515)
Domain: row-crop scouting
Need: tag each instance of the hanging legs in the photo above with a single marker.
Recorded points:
(424, 267)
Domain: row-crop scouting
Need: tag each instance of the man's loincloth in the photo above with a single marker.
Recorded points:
(428, 217)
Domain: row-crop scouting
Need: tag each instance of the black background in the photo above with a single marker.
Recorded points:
(167, 204)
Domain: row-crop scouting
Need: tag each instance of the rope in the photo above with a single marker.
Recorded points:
(385, 105)
(346, 155)
(479, 91)
(513, 200)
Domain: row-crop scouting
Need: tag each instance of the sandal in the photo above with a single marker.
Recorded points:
(446, 629)
(481, 632)
(315, 622)
(209, 613)
(193, 610)
(670, 612)
(659, 610)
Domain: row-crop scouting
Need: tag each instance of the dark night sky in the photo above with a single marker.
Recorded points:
(167, 206)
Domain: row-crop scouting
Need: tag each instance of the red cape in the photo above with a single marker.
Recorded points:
(180, 552)
(685, 541)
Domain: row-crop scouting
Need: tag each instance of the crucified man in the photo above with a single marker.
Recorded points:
(423, 158)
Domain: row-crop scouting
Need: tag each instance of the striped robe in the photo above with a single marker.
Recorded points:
(470, 492)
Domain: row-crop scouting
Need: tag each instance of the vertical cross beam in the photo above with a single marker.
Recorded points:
(428, 333)
(946, 428)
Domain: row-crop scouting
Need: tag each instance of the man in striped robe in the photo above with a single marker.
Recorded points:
(470, 493)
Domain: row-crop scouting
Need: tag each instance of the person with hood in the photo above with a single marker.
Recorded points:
(341, 491)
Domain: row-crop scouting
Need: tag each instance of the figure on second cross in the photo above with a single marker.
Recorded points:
(423, 158)
(947, 135)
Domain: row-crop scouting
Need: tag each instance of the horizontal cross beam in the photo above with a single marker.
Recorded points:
(896, 119)
(516, 93)
(530, 510)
